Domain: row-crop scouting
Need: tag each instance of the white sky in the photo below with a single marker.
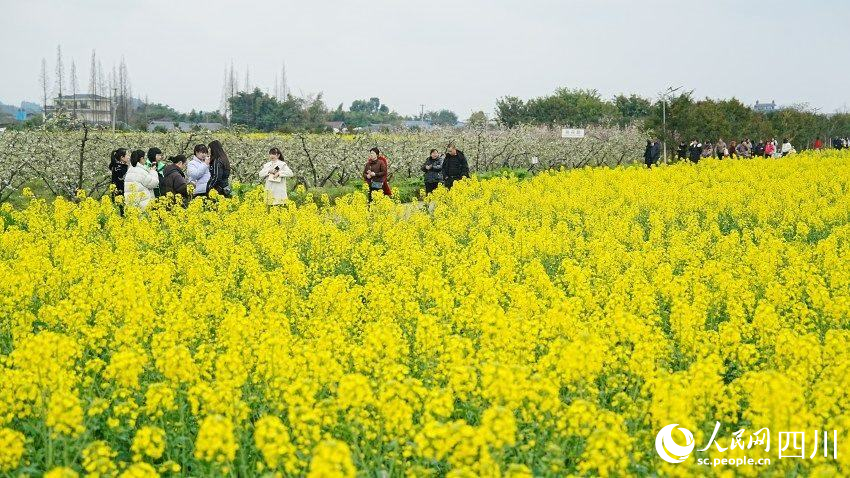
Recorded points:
(460, 55)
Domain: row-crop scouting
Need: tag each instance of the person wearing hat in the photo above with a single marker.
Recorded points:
(455, 166)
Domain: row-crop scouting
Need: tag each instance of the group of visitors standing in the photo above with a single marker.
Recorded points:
(140, 177)
(772, 148)
(696, 150)
(438, 169)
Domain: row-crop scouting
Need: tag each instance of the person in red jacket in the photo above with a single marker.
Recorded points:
(383, 159)
(818, 143)
(375, 173)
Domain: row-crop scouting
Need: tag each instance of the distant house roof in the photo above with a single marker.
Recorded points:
(380, 126)
(83, 96)
(765, 107)
(182, 125)
(421, 124)
(335, 124)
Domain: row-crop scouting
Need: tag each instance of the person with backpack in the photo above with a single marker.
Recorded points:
(433, 169)
(219, 170)
(455, 166)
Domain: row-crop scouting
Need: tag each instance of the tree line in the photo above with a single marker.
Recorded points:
(687, 118)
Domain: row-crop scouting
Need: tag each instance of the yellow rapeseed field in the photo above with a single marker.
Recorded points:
(547, 327)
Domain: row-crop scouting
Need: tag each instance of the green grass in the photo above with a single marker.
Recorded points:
(404, 190)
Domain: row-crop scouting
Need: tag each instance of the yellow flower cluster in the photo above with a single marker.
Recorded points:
(545, 326)
(149, 442)
(11, 449)
(216, 442)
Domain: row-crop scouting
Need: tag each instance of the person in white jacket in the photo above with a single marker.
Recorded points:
(198, 169)
(275, 172)
(140, 181)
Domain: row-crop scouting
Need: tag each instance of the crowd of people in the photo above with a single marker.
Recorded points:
(141, 177)
(697, 150)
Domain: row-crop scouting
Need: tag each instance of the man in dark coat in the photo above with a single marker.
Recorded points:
(652, 153)
(455, 166)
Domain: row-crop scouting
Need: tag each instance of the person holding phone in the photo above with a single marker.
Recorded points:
(433, 169)
(375, 172)
(275, 172)
(140, 181)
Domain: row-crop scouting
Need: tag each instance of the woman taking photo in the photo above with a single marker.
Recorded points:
(375, 172)
(219, 169)
(139, 181)
(275, 172)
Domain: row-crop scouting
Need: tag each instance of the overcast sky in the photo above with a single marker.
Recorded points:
(454, 54)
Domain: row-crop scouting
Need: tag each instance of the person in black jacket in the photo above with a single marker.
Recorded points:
(433, 169)
(219, 169)
(455, 166)
(118, 165)
(652, 153)
(682, 152)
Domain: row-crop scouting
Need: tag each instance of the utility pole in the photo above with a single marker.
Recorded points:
(421, 112)
(664, 95)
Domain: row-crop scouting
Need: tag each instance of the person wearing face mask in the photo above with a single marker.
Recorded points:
(198, 169)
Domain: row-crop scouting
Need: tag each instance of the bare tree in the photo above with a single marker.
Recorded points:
(248, 79)
(284, 88)
(125, 93)
(72, 83)
(229, 90)
(102, 85)
(93, 74)
(60, 70)
(45, 84)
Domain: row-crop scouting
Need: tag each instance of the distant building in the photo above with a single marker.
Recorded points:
(424, 125)
(86, 107)
(765, 107)
(376, 127)
(337, 126)
(184, 126)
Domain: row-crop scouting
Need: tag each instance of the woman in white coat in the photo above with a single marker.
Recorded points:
(140, 181)
(275, 172)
